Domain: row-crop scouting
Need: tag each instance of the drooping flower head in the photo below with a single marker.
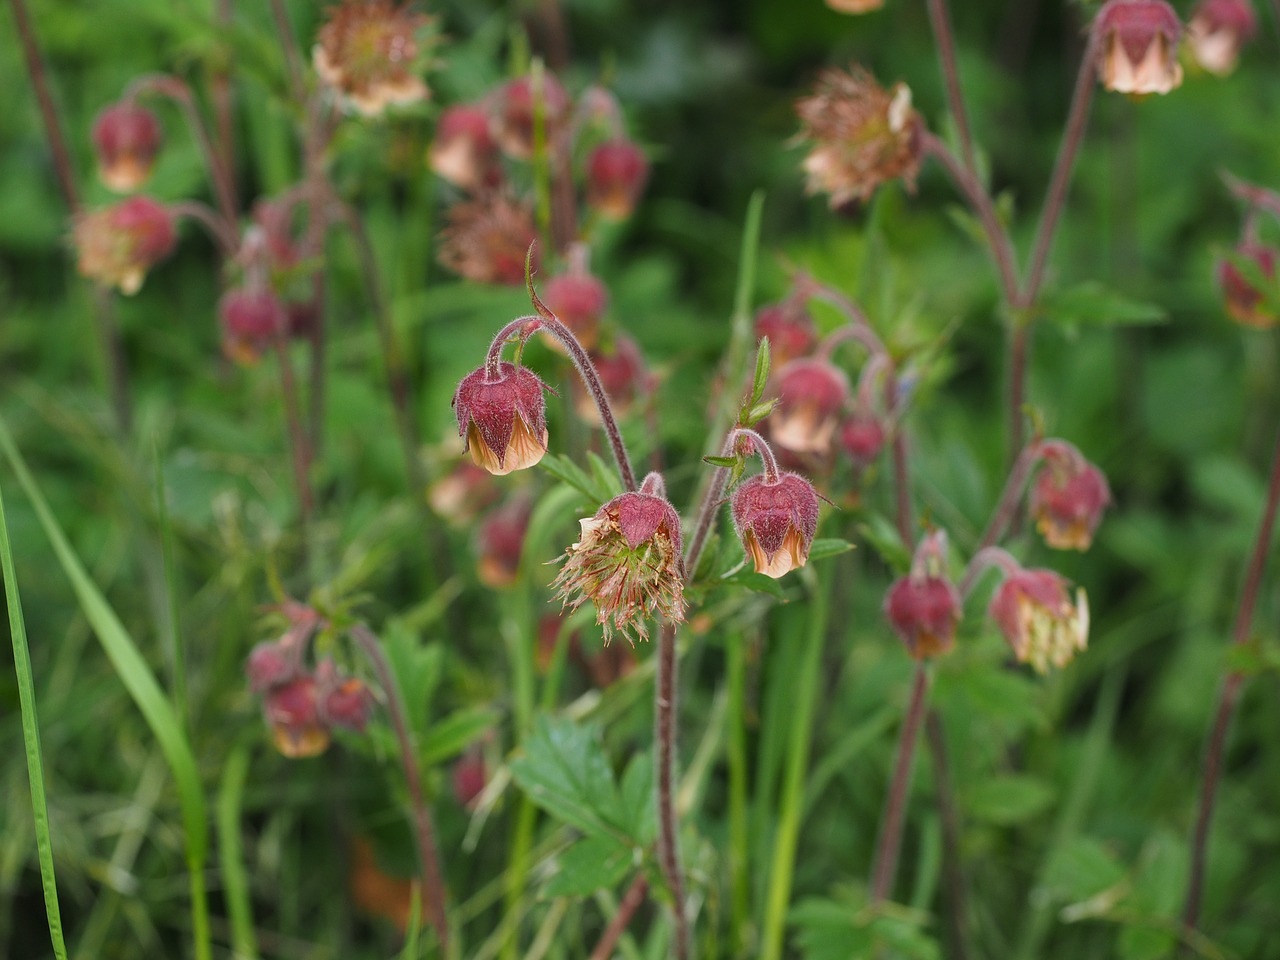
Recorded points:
(790, 330)
(1036, 615)
(502, 417)
(776, 521)
(924, 606)
(862, 437)
(862, 135)
(628, 562)
(463, 150)
(1244, 302)
(1068, 498)
(1137, 46)
(517, 106)
(486, 239)
(293, 713)
(813, 395)
(126, 138)
(1217, 31)
(251, 319)
(579, 299)
(367, 51)
(616, 174)
(117, 245)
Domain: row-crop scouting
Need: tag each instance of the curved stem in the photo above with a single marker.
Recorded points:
(982, 561)
(760, 447)
(664, 719)
(630, 902)
(941, 24)
(223, 233)
(1228, 698)
(433, 893)
(1007, 505)
(858, 328)
(62, 167)
(890, 841)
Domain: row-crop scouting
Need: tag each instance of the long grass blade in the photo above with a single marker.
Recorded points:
(235, 881)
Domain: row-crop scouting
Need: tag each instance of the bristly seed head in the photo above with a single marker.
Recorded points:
(367, 52)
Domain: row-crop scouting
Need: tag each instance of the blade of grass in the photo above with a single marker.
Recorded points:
(739, 831)
(177, 657)
(235, 881)
(31, 740)
(142, 687)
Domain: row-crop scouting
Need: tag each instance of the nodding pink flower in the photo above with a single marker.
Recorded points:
(513, 127)
(486, 239)
(776, 521)
(862, 438)
(789, 328)
(924, 606)
(272, 663)
(1068, 498)
(1036, 615)
(127, 139)
(469, 777)
(627, 561)
(862, 135)
(293, 713)
(367, 51)
(500, 542)
(344, 701)
(251, 320)
(623, 374)
(1244, 302)
(464, 151)
(616, 174)
(1217, 31)
(460, 495)
(579, 299)
(117, 245)
(503, 421)
(813, 394)
(1137, 46)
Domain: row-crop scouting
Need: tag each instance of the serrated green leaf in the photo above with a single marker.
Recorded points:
(447, 738)
(564, 770)
(569, 473)
(1091, 303)
(591, 864)
(1008, 799)
(638, 811)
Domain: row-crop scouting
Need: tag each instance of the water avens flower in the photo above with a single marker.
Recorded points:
(463, 150)
(293, 712)
(579, 299)
(517, 103)
(367, 52)
(1217, 31)
(502, 417)
(486, 239)
(616, 174)
(623, 374)
(117, 245)
(250, 320)
(813, 394)
(1068, 498)
(924, 606)
(776, 520)
(126, 138)
(790, 330)
(1036, 614)
(1137, 46)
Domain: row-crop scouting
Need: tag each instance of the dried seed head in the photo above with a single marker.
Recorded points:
(924, 607)
(813, 394)
(367, 51)
(1068, 499)
(117, 245)
(628, 562)
(776, 521)
(126, 138)
(1034, 612)
(1245, 303)
(486, 239)
(513, 126)
(1137, 46)
(1217, 31)
(464, 151)
(862, 135)
(616, 174)
(503, 421)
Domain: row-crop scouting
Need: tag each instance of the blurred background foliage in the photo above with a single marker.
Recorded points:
(1077, 792)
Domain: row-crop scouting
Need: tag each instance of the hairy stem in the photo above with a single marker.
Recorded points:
(433, 893)
(949, 815)
(292, 56)
(1228, 698)
(665, 720)
(630, 902)
(890, 841)
(221, 95)
(1011, 496)
(941, 24)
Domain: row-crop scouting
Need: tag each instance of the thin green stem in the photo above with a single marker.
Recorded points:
(739, 832)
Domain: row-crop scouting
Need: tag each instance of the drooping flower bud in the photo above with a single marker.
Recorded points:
(628, 562)
(514, 125)
(579, 299)
(776, 521)
(293, 713)
(469, 778)
(127, 139)
(367, 52)
(1137, 46)
(117, 245)
(623, 375)
(1036, 615)
(251, 319)
(789, 328)
(862, 134)
(486, 239)
(616, 174)
(272, 663)
(1244, 302)
(813, 395)
(500, 542)
(1217, 31)
(344, 701)
(502, 421)
(464, 151)
(924, 606)
(862, 438)
(1068, 498)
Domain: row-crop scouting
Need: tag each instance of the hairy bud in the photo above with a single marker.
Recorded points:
(250, 320)
(813, 394)
(789, 328)
(464, 151)
(1137, 46)
(293, 713)
(126, 138)
(117, 245)
(579, 299)
(1217, 31)
(502, 421)
(1068, 498)
(924, 607)
(616, 174)
(776, 521)
(517, 104)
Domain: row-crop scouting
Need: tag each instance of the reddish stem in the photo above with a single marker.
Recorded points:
(951, 75)
(222, 107)
(890, 842)
(631, 901)
(665, 720)
(760, 447)
(299, 448)
(292, 56)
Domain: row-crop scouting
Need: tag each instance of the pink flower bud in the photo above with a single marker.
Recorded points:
(1068, 498)
(1137, 46)
(469, 778)
(862, 438)
(789, 328)
(1245, 303)
(500, 541)
(251, 320)
(813, 394)
(127, 139)
(628, 562)
(924, 607)
(513, 126)
(463, 151)
(271, 664)
(1036, 615)
(579, 299)
(623, 375)
(348, 704)
(117, 245)
(503, 421)
(616, 174)
(776, 521)
(487, 238)
(1218, 29)
(367, 52)
(293, 713)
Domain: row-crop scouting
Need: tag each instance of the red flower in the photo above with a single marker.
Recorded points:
(127, 139)
(776, 521)
(1137, 46)
(503, 420)
(616, 175)
(1036, 615)
(1068, 499)
(924, 607)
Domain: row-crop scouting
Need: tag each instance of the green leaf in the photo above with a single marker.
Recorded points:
(638, 813)
(883, 536)
(447, 738)
(235, 880)
(591, 864)
(763, 360)
(1091, 303)
(1145, 943)
(1082, 869)
(1008, 799)
(604, 476)
(564, 770)
(744, 576)
(825, 547)
(568, 472)
(726, 462)
(759, 412)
